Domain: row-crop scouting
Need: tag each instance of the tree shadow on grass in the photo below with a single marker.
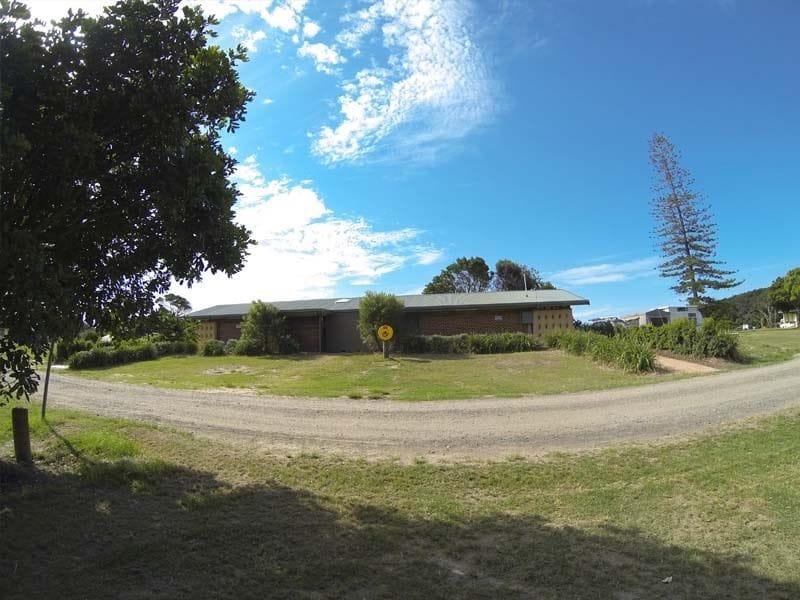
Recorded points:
(155, 530)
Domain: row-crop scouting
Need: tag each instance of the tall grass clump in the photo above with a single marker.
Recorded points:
(712, 340)
(628, 354)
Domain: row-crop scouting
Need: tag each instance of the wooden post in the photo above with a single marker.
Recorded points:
(22, 434)
(385, 351)
(47, 379)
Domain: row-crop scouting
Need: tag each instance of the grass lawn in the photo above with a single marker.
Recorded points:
(767, 346)
(370, 376)
(119, 509)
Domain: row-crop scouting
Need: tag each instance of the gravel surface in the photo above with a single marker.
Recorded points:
(478, 429)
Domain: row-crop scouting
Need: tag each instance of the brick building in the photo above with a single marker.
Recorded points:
(330, 325)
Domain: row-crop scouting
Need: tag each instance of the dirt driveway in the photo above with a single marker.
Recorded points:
(484, 428)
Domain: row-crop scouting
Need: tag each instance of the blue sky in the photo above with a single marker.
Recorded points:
(388, 138)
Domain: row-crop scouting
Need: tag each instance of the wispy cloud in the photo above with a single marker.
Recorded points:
(434, 86)
(304, 249)
(607, 272)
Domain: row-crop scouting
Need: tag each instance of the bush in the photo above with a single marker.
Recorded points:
(266, 328)
(65, 349)
(106, 357)
(376, 309)
(175, 348)
(230, 346)
(246, 347)
(288, 345)
(475, 343)
(501, 343)
(213, 348)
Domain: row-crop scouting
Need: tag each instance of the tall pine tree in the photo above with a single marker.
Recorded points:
(687, 235)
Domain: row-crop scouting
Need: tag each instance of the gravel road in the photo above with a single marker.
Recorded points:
(484, 428)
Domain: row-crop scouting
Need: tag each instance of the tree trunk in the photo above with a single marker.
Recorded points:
(47, 379)
(22, 434)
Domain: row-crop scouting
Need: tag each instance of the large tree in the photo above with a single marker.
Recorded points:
(114, 178)
(684, 226)
(784, 293)
(462, 276)
(510, 276)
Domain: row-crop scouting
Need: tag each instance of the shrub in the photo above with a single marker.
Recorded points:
(65, 349)
(106, 357)
(500, 343)
(605, 328)
(476, 343)
(172, 348)
(213, 348)
(230, 346)
(265, 327)
(246, 347)
(376, 309)
(288, 345)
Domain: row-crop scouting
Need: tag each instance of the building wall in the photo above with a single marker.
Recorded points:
(341, 333)
(206, 330)
(229, 329)
(306, 330)
(495, 321)
(546, 320)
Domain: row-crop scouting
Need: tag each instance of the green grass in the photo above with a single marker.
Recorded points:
(767, 346)
(370, 376)
(114, 508)
(427, 377)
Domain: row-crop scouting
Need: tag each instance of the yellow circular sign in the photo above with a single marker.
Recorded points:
(385, 333)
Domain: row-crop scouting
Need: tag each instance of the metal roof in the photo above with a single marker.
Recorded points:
(413, 303)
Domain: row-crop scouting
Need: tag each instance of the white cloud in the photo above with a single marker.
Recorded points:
(285, 16)
(48, 10)
(304, 249)
(248, 38)
(433, 88)
(267, 101)
(310, 29)
(232, 150)
(324, 56)
(607, 272)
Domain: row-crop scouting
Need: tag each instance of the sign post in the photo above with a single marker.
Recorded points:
(385, 334)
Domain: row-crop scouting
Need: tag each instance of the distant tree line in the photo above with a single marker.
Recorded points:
(467, 275)
(759, 307)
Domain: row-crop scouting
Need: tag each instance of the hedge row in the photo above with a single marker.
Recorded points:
(128, 352)
(247, 347)
(682, 337)
(171, 348)
(106, 357)
(470, 343)
(623, 352)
